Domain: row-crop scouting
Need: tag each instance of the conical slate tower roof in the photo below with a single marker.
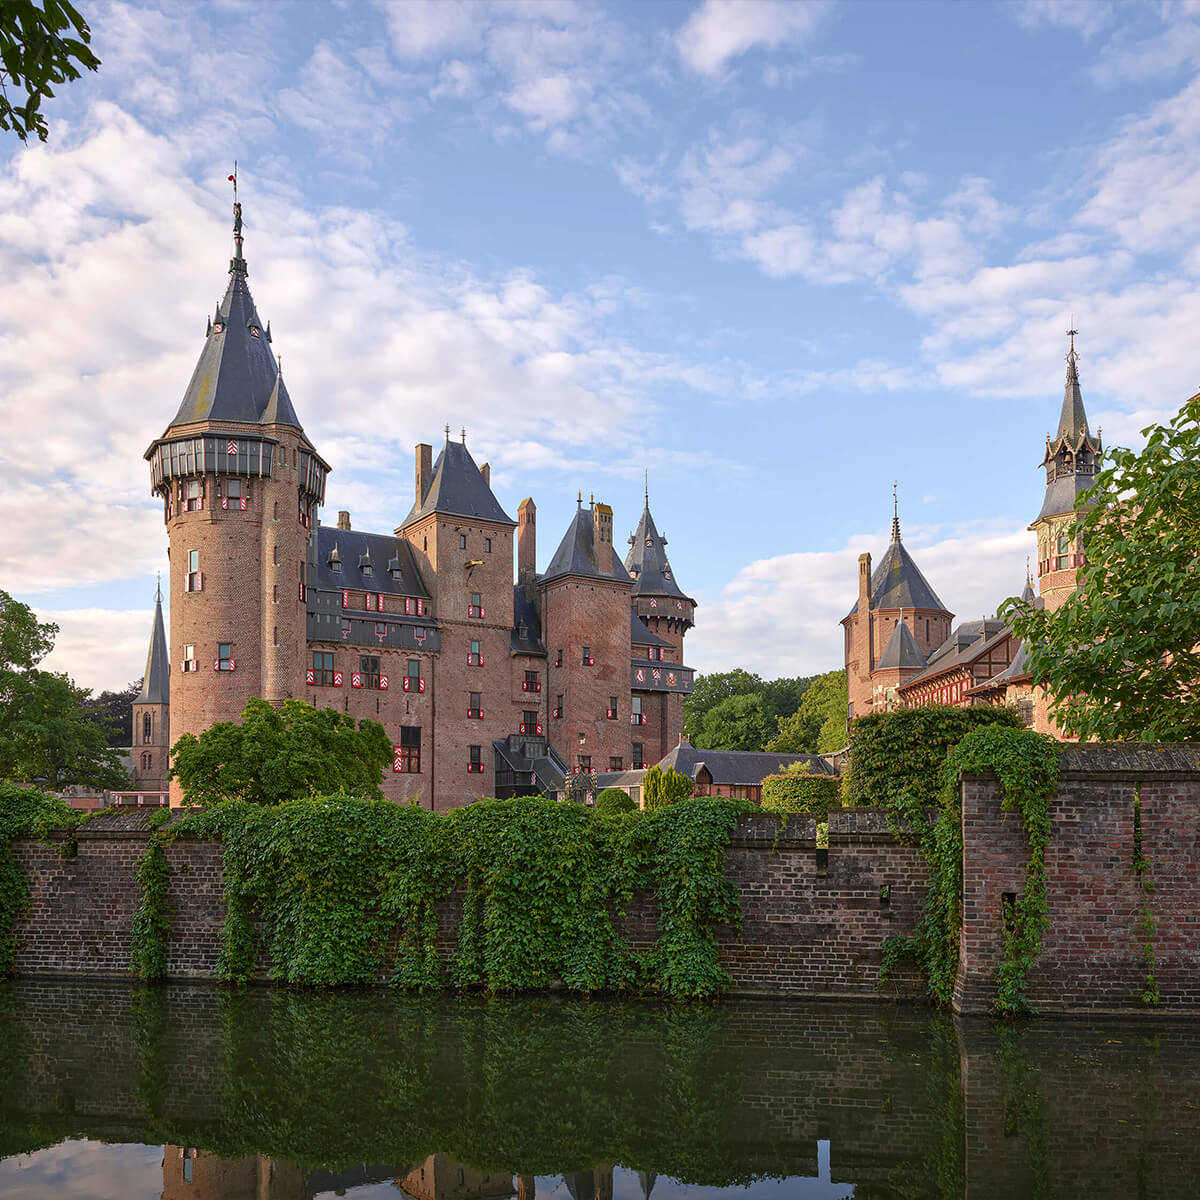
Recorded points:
(237, 377)
(156, 686)
(458, 489)
(901, 651)
(576, 553)
(1073, 452)
(647, 562)
(897, 581)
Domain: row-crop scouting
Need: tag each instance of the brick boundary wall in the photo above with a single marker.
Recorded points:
(813, 921)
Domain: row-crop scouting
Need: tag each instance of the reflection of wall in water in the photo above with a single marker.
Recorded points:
(439, 1177)
(596, 1184)
(191, 1174)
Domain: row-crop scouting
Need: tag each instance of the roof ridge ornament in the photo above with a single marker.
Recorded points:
(895, 510)
(237, 264)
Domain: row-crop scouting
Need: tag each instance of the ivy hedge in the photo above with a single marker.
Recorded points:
(336, 890)
(810, 795)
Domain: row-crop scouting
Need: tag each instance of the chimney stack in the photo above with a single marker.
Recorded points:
(602, 523)
(527, 547)
(486, 472)
(424, 471)
(343, 519)
(866, 627)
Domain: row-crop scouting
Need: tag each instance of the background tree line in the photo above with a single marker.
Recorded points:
(737, 710)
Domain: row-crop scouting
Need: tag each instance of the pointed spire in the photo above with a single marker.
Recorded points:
(1073, 422)
(895, 510)
(158, 588)
(156, 686)
(237, 264)
(647, 487)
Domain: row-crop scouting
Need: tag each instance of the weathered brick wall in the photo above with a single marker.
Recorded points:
(813, 921)
(1091, 956)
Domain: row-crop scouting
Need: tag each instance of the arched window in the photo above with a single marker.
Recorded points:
(147, 728)
(1063, 553)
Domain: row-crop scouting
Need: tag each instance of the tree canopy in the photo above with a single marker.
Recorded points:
(40, 45)
(277, 754)
(114, 710)
(738, 726)
(736, 723)
(1121, 657)
(47, 734)
(818, 726)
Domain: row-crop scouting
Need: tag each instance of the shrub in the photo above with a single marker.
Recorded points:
(614, 800)
(661, 788)
(896, 758)
(799, 793)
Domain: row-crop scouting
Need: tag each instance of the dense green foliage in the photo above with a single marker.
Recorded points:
(48, 736)
(1026, 767)
(896, 758)
(152, 920)
(1149, 926)
(277, 754)
(347, 889)
(114, 712)
(800, 793)
(660, 788)
(24, 812)
(730, 730)
(41, 44)
(1121, 656)
(614, 800)
(818, 725)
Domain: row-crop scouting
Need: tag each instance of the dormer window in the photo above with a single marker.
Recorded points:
(253, 331)
(367, 568)
(394, 567)
(335, 559)
(218, 326)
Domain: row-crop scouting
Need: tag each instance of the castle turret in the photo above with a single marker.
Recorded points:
(1071, 460)
(240, 485)
(151, 733)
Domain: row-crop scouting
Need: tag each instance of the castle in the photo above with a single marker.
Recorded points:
(485, 688)
(900, 648)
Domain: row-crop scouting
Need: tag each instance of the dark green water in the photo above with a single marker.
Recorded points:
(107, 1091)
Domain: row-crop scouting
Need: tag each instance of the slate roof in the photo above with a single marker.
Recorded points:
(897, 581)
(901, 651)
(641, 635)
(386, 553)
(457, 488)
(525, 617)
(1072, 421)
(237, 377)
(647, 562)
(156, 685)
(737, 766)
(576, 553)
(962, 647)
(1073, 434)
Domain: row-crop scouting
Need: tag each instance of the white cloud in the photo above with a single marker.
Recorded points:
(721, 30)
(1084, 17)
(100, 648)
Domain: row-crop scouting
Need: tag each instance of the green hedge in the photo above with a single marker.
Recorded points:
(614, 800)
(808, 794)
(896, 758)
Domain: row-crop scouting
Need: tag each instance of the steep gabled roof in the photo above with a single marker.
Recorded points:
(969, 641)
(897, 581)
(237, 377)
(1072, 454)
(647, 562)
(393, 567)
(901, 651)
(458, 488)
(576, 553)
(156, 685)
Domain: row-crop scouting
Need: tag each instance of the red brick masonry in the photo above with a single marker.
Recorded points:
(813, 921)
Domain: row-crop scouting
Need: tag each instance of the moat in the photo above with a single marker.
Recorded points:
(190, 1091)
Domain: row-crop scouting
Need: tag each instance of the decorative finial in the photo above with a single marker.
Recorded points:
(464, 435)
(579, 498)
(158, 589)
(447, 431)
(237, 264)
(279, 364)
(895, 510)
(1072, 356)
(592, 499)
(647, 487)
(1028, 573)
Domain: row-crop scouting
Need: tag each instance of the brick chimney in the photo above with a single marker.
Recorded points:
(343, 519)
(527, 546)
(602, 523)
(486, 472)
(424, 471)
(866, 628)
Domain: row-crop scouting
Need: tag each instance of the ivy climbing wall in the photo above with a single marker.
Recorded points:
(1122, 884)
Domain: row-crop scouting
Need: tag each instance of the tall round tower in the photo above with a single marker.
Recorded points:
(240, 485)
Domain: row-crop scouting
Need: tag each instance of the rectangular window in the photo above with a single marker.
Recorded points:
(636, 716)
(558, 707)
(406, 758)
(194, 580)
(225, 659)
(639, 756)
(368, 667)
(475, 705)
(475, 656)
(531, 682)
(190, 662)
(611, 711)
(475, 761)
(588, 660)
(475, 608)
(487, 545)
(614, 763)
(583, 764)
(412, 676)
(462, 541)
(530, 725)
(193, 496)
(322, 668)
(558, 659)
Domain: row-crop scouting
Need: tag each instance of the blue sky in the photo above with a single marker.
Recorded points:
(778, 254)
